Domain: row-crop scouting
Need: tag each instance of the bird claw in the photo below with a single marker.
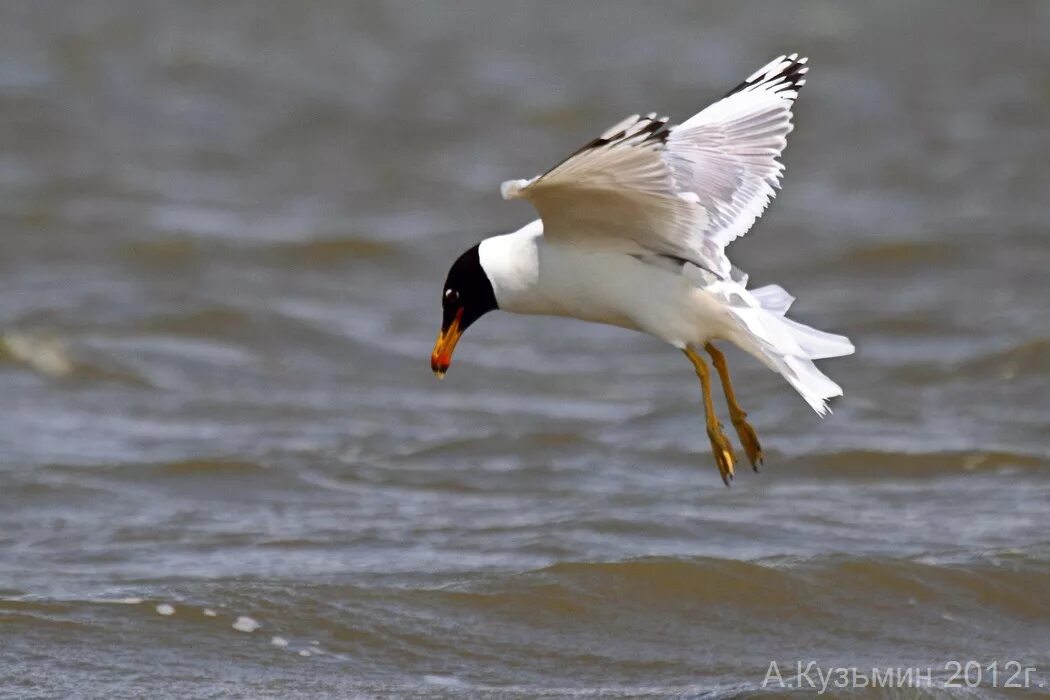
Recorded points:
(723, 453)
(749, 439)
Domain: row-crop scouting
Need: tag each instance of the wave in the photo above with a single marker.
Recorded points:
(648, 626)
(999, 582)
(208, 322)
(199, 467)
(49, 355)
(895, 253)
(325, 252)
(1029, 358)
(873, 463)
(319, 252)
(1003, 580)
(1025, 360)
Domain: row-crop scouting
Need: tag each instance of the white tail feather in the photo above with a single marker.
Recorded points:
(774, 298)
(814, 386)
(818, 345)
(785, 346)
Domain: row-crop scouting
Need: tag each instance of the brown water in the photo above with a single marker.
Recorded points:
(224, 230)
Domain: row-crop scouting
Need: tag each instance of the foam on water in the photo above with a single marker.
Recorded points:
(245, 624)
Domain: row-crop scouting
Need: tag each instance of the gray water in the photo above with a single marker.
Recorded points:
(224, 232)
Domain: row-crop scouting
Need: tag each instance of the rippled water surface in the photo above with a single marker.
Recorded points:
(225, 467)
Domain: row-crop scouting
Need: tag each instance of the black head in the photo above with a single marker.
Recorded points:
(466, 297)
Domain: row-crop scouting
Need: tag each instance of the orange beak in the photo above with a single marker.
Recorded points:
(446, 341)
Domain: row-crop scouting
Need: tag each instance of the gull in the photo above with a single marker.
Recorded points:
(632, 233)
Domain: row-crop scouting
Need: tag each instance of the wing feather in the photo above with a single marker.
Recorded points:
(685, 191)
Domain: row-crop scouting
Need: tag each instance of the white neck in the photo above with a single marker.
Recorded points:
(511, 262)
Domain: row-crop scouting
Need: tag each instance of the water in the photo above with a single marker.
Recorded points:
(225, 467)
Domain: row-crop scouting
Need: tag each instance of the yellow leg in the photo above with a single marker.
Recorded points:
(720, 446)
(748, 438)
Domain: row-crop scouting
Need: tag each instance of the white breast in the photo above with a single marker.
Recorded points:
(530, 275)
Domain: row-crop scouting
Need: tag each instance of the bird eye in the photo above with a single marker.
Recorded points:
(451, 295)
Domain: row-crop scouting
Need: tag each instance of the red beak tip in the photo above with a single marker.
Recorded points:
(439, 366)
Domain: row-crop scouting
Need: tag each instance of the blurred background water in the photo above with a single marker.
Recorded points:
(225, 467)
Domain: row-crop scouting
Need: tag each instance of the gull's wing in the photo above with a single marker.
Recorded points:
(686, 191)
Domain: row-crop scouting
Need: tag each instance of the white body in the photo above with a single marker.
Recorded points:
(682, 305)
(531, 275)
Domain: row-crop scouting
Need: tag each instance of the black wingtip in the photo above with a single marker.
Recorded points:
(782, 73)
(648, 129)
